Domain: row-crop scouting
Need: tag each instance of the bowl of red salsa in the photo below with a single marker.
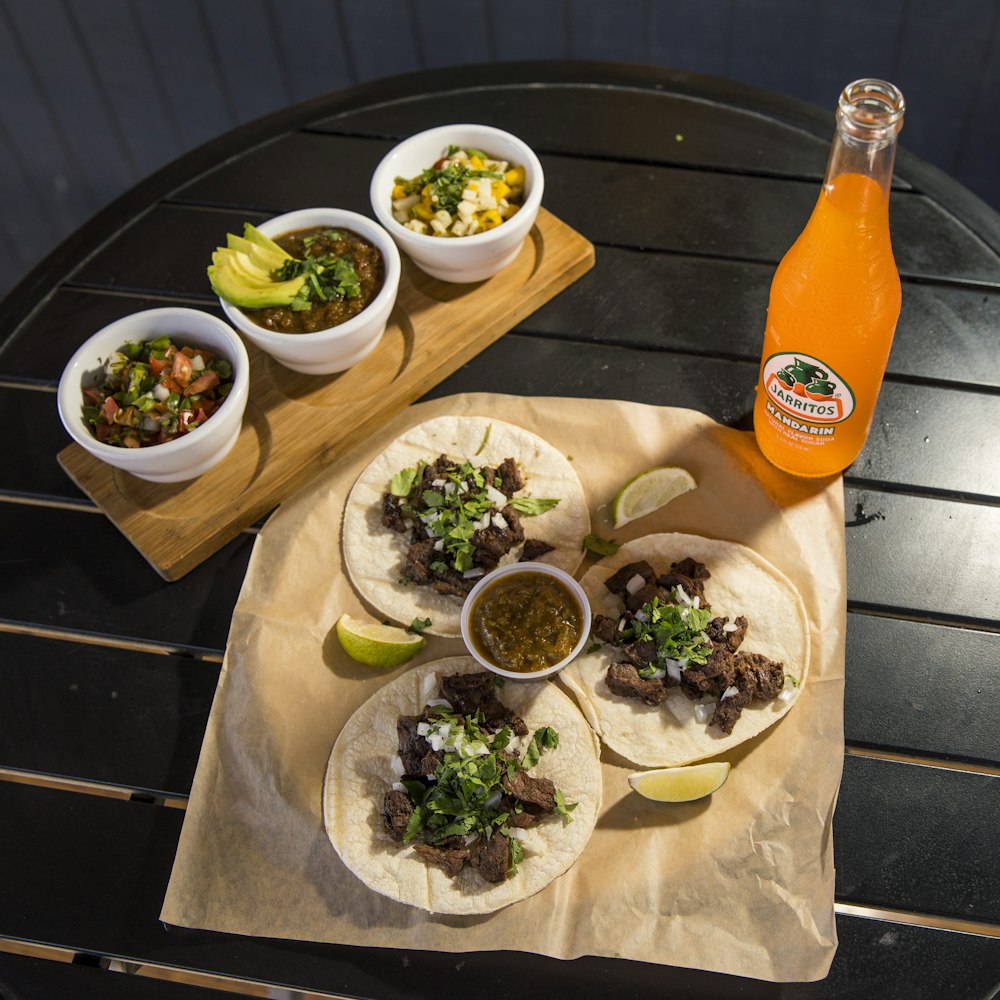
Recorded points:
(160, 394)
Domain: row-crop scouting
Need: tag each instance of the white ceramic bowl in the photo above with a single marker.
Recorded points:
(461, 258)
(188, 456)
(339, 347)
(526, 567)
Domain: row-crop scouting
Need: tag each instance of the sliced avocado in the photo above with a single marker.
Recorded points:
(254, 235)
(234, 286)
(241, 263)
(261, 256)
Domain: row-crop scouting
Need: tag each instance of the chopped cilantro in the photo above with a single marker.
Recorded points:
(599, 546)
(419, 624)
(677, 630)
(531, 506)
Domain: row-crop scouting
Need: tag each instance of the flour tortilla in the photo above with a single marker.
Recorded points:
(374, 554)
(742, 583)
(360, 771)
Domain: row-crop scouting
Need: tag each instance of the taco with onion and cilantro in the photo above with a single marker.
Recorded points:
(447, 502)
(699, 646)
(449, 793)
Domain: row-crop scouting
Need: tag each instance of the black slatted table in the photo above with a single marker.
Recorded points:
(691, 189)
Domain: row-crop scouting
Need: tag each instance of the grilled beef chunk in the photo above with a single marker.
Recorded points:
(492, 857)
(419, 760)
(392, 515)
(645, 595)
(534, 549)
(755, 678)
(493, 543)
(604, 629)
(731, 640)
(711, 677)
(624, 680)
(641, 654)
(617, 583)
(468, 693)
(451, 859)
(536, 794)
(519, 815)
(689, 574)
(397, 808)
(511, 479)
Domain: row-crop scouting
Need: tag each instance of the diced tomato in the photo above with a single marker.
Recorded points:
(182, 368)
(203, 383)
(156, 365)
(94, 394)
(172, 385)
(131, 441)
(198, 352)
(109, 409)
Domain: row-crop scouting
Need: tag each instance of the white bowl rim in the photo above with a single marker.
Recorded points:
(545, 569)
(371, 230)
(530, 206)
(84, 354)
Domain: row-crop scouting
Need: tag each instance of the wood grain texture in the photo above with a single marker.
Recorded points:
(295, 425)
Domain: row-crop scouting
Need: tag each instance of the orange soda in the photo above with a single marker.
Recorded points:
(835, 300)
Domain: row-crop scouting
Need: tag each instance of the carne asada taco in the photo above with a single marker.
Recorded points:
(441, 733)
(448, 501)
(704, 644)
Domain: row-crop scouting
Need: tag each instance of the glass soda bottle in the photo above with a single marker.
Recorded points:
(834, 299)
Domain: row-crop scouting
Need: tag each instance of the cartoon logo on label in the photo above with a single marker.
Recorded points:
(806, 388)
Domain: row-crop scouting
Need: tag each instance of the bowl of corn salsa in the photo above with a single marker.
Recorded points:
(159, 394)
(459, 200)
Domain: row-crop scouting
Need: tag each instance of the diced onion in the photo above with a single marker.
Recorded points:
(439, 545)
(495, 496)
(484, 522)
(438, 482)
(398, 787)
(703, 711)
(730, 692)
(730, 627)
(787, 695)
(423, 728)
(682, 595)
(674, 670)
(641, 616)
(635, 584)
(696, 603)
(621, 624)
(396, 767)
(500, 522)
(471, 574)
(161, 392)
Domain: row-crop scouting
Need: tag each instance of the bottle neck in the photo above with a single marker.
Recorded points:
(869, 117)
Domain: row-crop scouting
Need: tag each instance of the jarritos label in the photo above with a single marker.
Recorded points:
(805, 394)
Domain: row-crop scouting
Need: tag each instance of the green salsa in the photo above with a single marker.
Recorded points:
(525, 622)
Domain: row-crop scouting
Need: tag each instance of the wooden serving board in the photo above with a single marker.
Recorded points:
(297, 424)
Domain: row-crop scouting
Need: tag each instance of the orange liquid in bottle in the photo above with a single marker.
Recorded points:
(834, 304)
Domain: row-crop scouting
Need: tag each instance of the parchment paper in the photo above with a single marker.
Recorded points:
(741, 882)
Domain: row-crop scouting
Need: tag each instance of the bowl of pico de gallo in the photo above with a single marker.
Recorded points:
(159, 394)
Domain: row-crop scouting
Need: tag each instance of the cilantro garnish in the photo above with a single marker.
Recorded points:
(599, 546)
(419, 624)
(453, 505)
(677, 630)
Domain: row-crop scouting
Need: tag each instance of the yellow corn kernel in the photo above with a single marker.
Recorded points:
(425, 191)
(489, 219)
(423, 211)
(475, 162)
(398, 192)
(500, 189)
(515, 176)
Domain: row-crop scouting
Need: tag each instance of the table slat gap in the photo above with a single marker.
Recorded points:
(922, 760)
(914, 919)
(115, 642)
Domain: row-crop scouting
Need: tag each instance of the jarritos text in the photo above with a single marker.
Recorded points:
(805, 394)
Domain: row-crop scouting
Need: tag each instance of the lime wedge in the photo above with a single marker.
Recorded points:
(680, 784)
(650, 491)
(377, 645)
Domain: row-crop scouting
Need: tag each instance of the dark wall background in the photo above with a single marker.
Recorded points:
(97, 94)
